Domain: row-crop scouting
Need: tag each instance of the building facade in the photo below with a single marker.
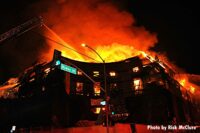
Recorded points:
(140, 90)
(65, 92)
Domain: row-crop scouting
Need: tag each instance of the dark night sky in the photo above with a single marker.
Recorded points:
(177, 26)
(174, 21)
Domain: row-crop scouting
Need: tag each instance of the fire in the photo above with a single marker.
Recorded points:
(110, 53)
(114, 52)
(110, 31)
(11, 83)
(192, 89)
(184, 81)
(56, 42)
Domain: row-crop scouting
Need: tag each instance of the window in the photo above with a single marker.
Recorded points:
(97, 89)
(47, 70)
(161, 82)
(79, 72)
(79, 88)
(112, 74)
(137, 84)
(96, 73)
(96, 102)
(136, 69)
(96, 110)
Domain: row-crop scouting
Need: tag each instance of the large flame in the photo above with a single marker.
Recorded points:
(110, 31)
(183, 79)
(56, 42)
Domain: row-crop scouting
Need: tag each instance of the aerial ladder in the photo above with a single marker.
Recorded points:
(20, 29)
(15, 32)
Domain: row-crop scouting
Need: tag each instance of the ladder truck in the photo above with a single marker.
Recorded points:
(22, 28)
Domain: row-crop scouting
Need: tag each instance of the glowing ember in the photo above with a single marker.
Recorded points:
(182, 82)
(192, 89)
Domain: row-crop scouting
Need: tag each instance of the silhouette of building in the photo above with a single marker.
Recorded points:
(140, 90)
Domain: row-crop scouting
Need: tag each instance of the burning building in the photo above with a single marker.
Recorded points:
(65, 91)
(141, 90)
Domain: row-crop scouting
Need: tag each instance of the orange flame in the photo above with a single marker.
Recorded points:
(59, 44)
(192, 89)
(112, 32)
(184, 81)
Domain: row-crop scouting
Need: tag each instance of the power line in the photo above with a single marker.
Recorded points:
(65, 46)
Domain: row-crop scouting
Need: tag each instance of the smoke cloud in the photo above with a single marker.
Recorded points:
(94, 22)
(98, 23)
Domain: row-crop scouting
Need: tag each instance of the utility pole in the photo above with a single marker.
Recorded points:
(105, 85)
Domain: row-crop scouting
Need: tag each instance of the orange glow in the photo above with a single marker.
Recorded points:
(137, 84)
(109, 30)
(5, 87)
(103, 108)
(97, 110)
(115, 52)
(192, 89)
(59, 44)
(97, 89)
(83, 44)
(11, 83)
(79, 72)
(112, 74)
(145, 55)
(136, 69)
(184, 81)
(112, 32)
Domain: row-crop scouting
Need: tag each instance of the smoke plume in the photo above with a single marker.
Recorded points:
(96, 23)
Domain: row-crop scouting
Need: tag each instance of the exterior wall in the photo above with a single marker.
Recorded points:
(157, 101)
(50, 97)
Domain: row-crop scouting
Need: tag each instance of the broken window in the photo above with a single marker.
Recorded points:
(96, 110)
(137, 84)
(79, 88)
(96, 73)
(79, 72)
(136, 69)
(112, 74)
(97, 89)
